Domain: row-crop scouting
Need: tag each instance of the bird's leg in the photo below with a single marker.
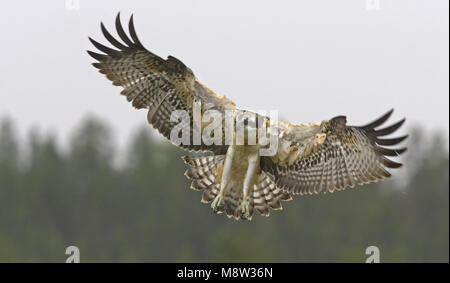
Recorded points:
(225, 178)
(253, 161)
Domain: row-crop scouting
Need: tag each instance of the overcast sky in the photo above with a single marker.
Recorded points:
(311, 60)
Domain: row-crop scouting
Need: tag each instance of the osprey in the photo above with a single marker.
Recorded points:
(235, 177)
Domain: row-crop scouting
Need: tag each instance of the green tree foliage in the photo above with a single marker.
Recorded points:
(145, 211)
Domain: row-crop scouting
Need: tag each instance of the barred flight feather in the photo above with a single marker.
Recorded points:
(348, 156)
(265, 194)
(313, 158)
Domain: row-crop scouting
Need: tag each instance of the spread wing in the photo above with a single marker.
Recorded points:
(160, 85)
(333, 156)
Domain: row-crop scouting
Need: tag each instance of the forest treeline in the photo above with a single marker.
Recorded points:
(144, 210)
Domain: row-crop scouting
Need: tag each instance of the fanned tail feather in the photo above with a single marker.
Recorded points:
(204, 172)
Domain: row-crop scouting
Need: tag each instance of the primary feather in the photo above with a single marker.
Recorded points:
(333, 156)
(311, 158)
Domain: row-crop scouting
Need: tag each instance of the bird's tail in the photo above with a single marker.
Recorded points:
(205, 173)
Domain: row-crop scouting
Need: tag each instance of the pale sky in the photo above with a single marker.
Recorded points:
(310, 60)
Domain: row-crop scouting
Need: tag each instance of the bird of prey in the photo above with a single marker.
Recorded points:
(235, 177)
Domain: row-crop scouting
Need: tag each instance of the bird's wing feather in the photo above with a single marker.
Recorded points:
(148, 81)
(332, 156)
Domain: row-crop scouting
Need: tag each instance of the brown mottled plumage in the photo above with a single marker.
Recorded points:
(346, 156)
(311, 158)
